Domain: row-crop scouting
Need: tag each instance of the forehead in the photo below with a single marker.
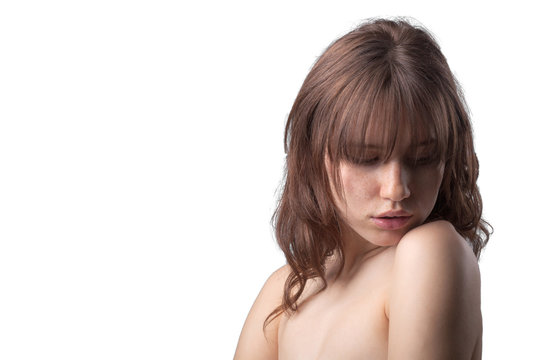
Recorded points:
(391, 135)
(386, 120)
(380, 134)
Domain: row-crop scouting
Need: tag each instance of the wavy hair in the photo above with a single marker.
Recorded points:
(385, 73)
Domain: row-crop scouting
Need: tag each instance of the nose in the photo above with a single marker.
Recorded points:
(395, 181)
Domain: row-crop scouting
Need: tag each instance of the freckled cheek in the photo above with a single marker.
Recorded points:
(427, 187)
(358, 188)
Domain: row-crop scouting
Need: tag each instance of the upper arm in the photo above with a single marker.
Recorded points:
(434, 301)
(253, 342)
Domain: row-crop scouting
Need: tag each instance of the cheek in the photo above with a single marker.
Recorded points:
(428, 185)
(357, 185)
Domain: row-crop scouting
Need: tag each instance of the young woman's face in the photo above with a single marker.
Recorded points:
(382, 200)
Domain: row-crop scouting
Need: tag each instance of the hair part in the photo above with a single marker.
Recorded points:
(387, 77)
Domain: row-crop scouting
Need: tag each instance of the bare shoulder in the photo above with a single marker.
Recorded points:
(437, 250)
(434, 301)
(436, 236)
(253, 342)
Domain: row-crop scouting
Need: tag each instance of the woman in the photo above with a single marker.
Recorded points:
(380, 215)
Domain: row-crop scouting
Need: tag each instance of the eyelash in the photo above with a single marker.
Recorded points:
(371, 161)
(425, 160)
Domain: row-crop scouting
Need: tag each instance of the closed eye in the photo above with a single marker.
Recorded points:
(424, 160)
(364, 160)
(369, 161)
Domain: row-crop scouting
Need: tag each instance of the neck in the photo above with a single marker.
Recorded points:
(356, 250)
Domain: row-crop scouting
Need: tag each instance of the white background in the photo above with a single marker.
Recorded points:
(141, 151)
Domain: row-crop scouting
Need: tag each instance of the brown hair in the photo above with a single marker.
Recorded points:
(390, 74)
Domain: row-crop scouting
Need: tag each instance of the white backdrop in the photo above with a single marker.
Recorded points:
(141, 150)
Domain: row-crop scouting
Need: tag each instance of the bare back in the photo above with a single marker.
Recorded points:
(356, 315)
(345, 321)
(348, 320)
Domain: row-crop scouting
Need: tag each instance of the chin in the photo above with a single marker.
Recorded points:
(393, 242)
(388, 239)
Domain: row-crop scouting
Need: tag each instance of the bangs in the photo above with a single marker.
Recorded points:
(378, 113)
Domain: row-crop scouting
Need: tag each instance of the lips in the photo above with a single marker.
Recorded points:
(393, 213)
(392, 220)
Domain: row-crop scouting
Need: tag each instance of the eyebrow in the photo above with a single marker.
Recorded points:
(426, 142)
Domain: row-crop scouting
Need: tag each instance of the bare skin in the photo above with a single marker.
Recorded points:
(347, 320)
(406, 293)
(370, 312)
